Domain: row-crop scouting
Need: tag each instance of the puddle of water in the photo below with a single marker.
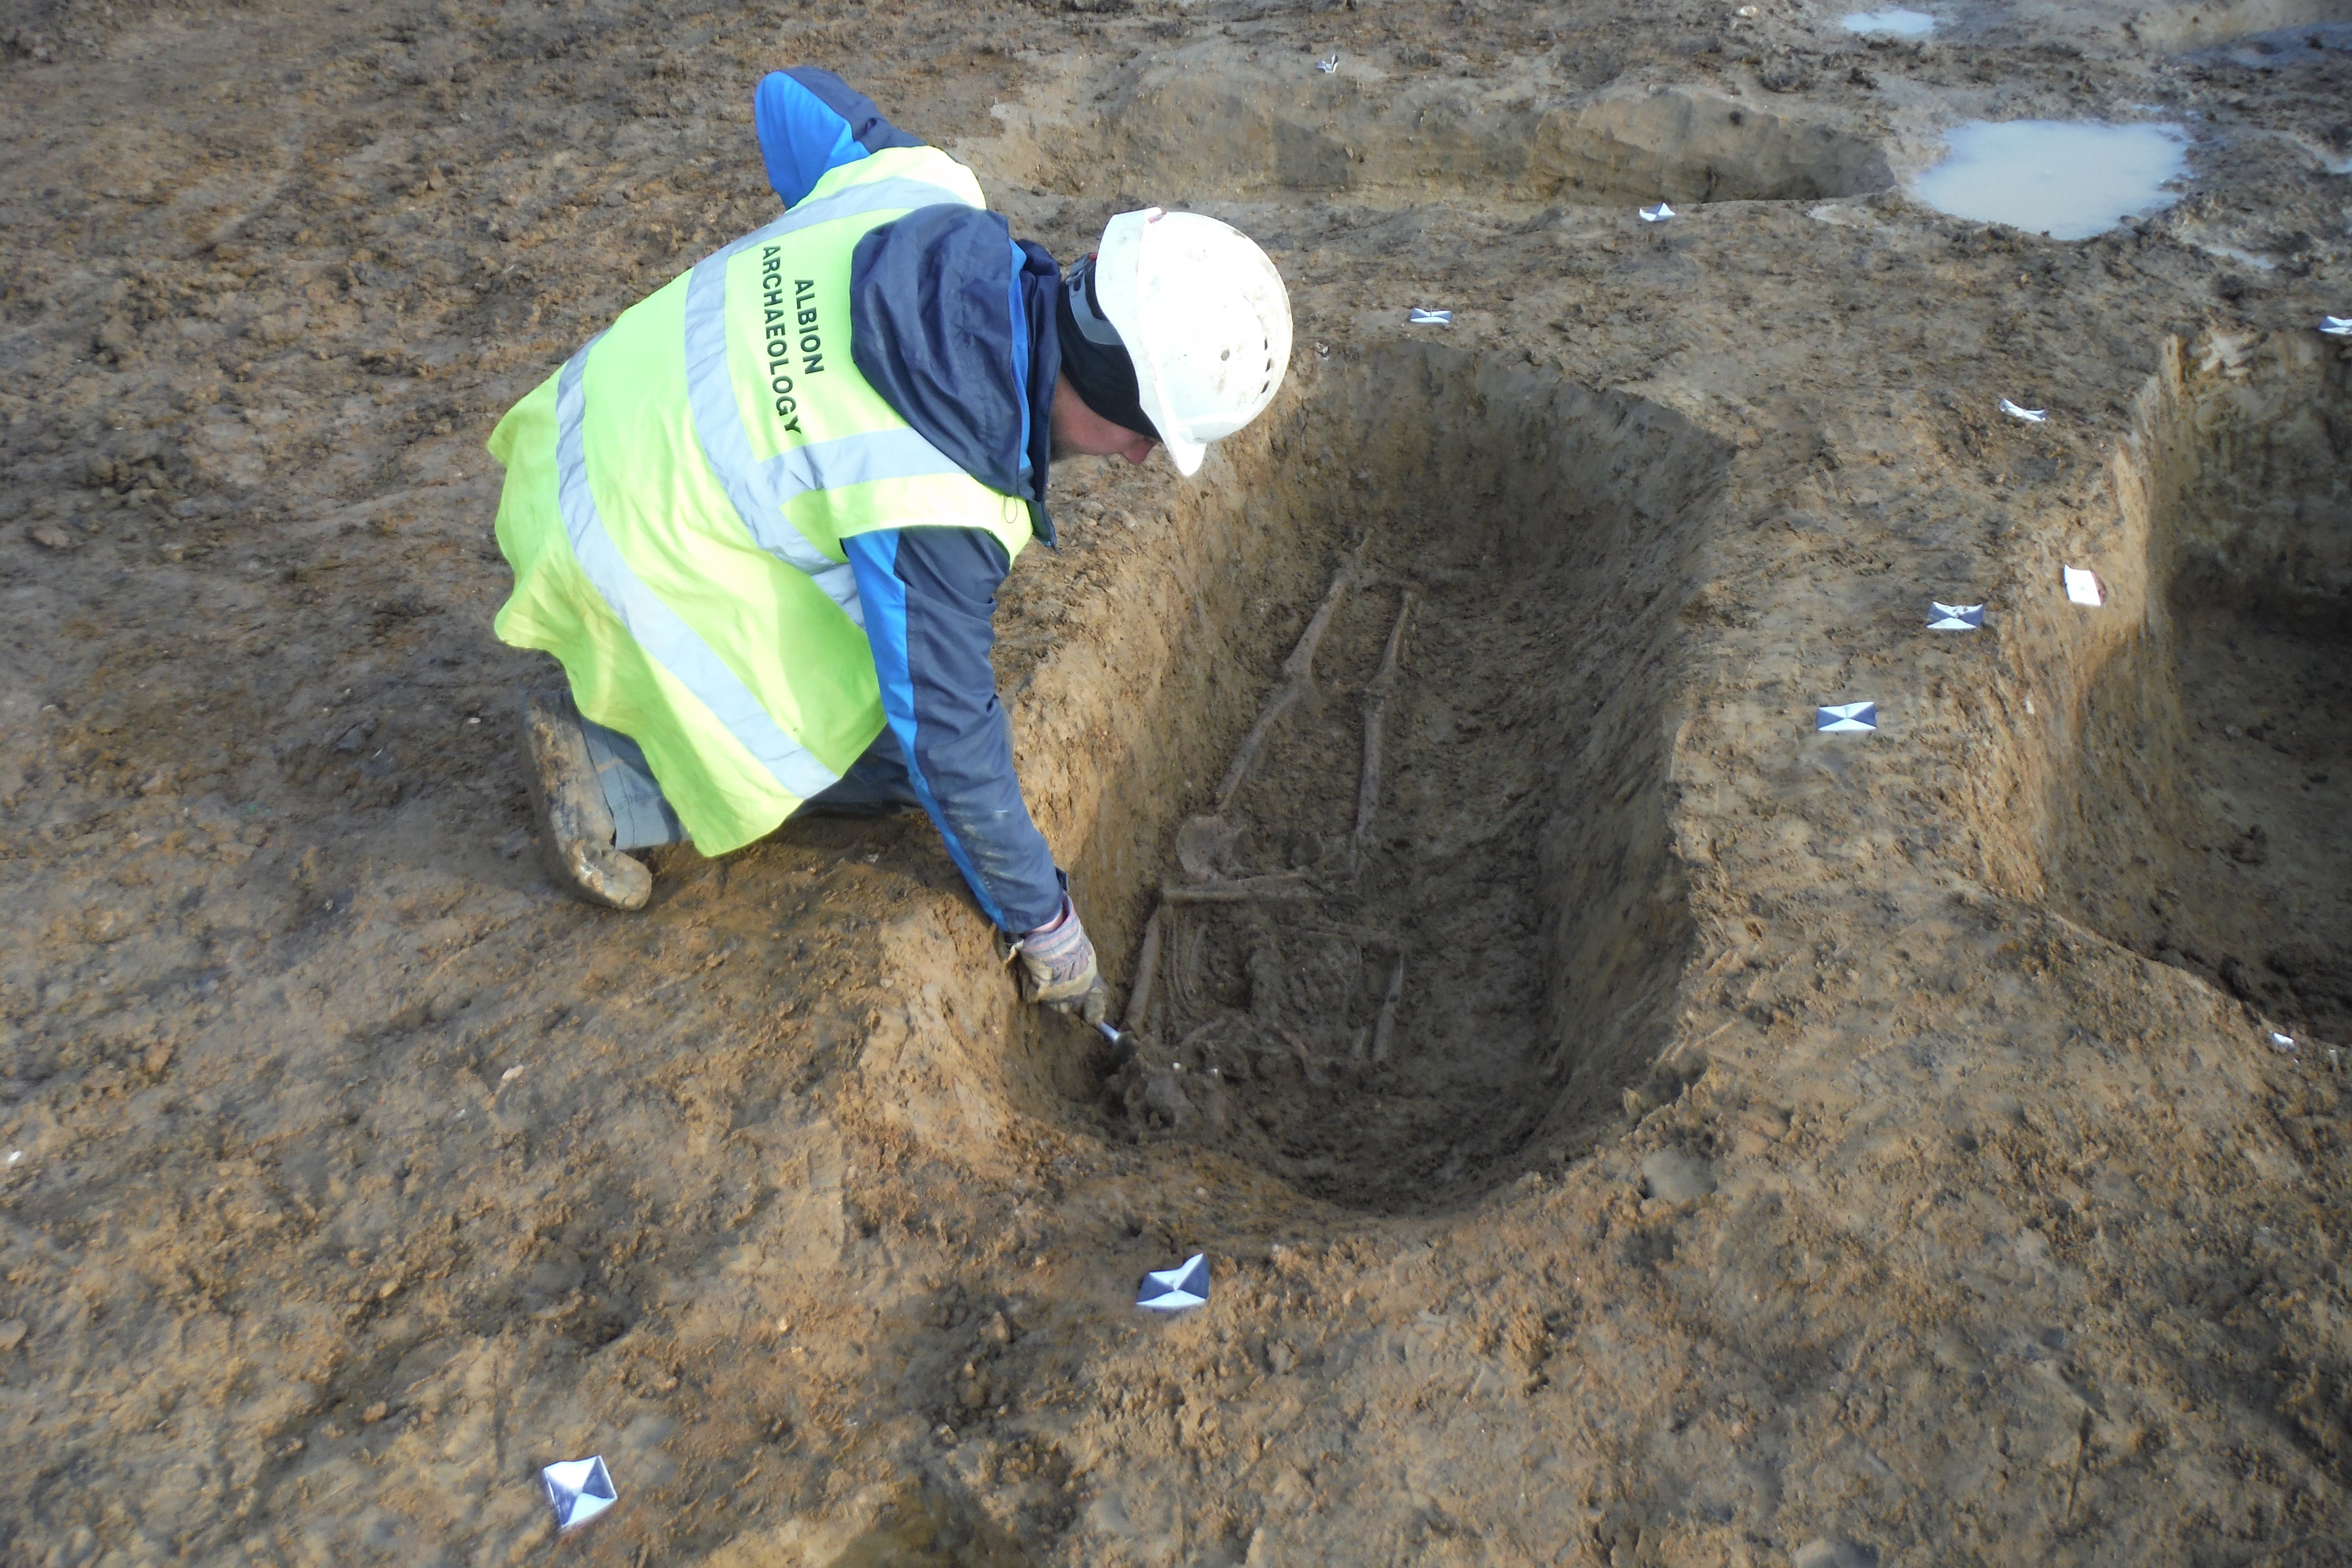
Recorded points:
(2048, 176)
(1897, 23)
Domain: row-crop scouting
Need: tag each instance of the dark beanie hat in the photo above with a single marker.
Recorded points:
(1093, 357)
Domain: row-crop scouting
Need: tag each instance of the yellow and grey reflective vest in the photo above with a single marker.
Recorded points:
(676, 496)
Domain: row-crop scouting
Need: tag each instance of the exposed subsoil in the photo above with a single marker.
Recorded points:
(1663, 1134)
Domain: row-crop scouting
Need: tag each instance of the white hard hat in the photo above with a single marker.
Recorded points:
(1206, 319)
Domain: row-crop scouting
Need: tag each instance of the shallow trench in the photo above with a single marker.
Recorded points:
(1386, 1019)
(2203, 814)
(1225, 131)
(2200, 24)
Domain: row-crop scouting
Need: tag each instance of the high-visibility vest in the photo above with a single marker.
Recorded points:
(676, 495)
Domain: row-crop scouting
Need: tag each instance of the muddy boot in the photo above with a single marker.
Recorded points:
(575, 825)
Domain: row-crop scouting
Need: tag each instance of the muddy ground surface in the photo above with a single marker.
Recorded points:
(1782, 1148)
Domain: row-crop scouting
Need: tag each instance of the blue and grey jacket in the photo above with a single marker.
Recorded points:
(953, 323)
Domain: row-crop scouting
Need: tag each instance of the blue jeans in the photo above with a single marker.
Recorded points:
(876, 785)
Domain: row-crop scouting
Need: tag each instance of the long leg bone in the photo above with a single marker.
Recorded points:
(1300, 665)
(1297, 676)
(1147, 969)
(1384, 1031)
(1252, 744)
(1368, 793)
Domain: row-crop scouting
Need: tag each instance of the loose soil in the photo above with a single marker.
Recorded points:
(1664, 1135)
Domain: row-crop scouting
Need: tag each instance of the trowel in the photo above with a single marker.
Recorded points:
(1122, 1045)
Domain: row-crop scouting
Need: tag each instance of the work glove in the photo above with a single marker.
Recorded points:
(1057, 967)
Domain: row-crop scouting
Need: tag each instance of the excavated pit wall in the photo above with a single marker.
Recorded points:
(2201, 24)
(2203, 812)
(1535, 520)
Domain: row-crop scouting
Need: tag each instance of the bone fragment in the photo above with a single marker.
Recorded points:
(1286, 885)
(1297, 676)
(1391, 656)
(1368, 792)
(1384, 1031)
(1185, 983)
(1204, 847)
(1147, 968)
(1363, 936)
(1308, 1064)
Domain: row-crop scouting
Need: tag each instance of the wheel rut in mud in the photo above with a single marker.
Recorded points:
(1380, 968)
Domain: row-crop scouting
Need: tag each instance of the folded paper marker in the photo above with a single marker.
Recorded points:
(2083, 585)
(1422, 318)
(578, 1490)
(1327, 66)
(1658, 214)
(1846, 718)
(1173, 1289)
(2337, 326)
(1954, 617)
(2030, 416)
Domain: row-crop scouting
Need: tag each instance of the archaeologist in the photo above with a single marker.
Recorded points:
(761, 519)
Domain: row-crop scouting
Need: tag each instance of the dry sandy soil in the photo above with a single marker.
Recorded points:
(1665, 1135)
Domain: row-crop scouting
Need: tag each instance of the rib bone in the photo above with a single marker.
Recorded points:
(1286, 885)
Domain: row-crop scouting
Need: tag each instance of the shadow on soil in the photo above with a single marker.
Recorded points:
(1228, 129)
(2206, 819)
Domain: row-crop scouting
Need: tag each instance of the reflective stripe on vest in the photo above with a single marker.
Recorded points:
(760, 490)
(658, 629)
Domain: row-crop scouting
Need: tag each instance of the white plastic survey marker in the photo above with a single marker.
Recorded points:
(1327, 66)
(1846, 718)
(1173, 1289)
(2030, 416)
(1954, 617)
(578, 1490)
(2337, 326)
(1658, 214)
(1422, 318)
(2083, 586)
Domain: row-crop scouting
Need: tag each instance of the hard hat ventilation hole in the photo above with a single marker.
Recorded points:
(1227, 354)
